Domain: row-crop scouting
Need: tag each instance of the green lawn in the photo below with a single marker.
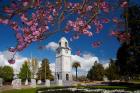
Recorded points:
(31, 90)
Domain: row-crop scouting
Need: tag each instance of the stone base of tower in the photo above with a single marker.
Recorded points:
(63, 77)
(63, 83)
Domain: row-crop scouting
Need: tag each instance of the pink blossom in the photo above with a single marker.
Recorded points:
(37, 2)
(96, 22)
(98, 28)
(124, 4)
(105, 20)
(89, 8)
(70, 23)
(67, 29)
(25, 3)
(85, 31)
(55, 13)
(8, 10)
(19, 47)
(6, 21)
(50, 18)
(113, 33)
(12, 49)
(115, 20)
(15, 27)
(90, 34)
(14, 5)
(33, 15)
(96, 44)
(47, 27)
(0, 20)
(33, 28)
(23, 18)
(29, 23)
(88, 27)
(76, 28)
(36, 33)
(95, 4)
(18, 35)
(105, 7)
(124, 37)
(81, 23)
(11, 61)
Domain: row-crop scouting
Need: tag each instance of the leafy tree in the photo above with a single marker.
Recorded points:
(7, 73)
(112, 71)
(82, 78)
(1, 71)
(25, 72)
(96, 72)
(44, 71)
(76, 65)
(128, 59)
(39, 74)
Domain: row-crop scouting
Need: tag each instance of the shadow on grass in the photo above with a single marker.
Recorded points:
(130, 86)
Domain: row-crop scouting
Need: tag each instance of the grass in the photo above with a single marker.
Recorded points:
(30, 90)
(34, 90)
(135, 81)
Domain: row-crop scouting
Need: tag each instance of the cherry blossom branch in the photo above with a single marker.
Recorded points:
(84, 2)
(35, 24)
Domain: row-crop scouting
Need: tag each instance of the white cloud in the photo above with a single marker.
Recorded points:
(105, 65)
(88, 56)
(52, 46)
(2, 60)
(105, 62)
(86, 60)
(5, 55)
(52, 67)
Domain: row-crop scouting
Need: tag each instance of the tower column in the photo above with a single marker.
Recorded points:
(63, 61)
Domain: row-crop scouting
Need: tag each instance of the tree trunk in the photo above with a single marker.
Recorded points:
(45, 70)
(76, 74)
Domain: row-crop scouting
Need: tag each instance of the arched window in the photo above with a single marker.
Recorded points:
(59, 43)
(58, 76)
(67, 76)
(66, 44)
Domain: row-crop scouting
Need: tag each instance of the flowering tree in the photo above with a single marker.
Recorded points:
(32, 19)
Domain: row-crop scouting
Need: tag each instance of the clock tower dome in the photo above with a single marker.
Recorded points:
(63, 61)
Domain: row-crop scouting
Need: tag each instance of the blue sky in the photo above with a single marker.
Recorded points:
(107, 50)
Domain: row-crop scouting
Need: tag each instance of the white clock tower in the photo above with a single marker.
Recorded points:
(63, 61)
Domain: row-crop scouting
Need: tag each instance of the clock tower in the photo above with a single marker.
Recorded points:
(63, 61)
